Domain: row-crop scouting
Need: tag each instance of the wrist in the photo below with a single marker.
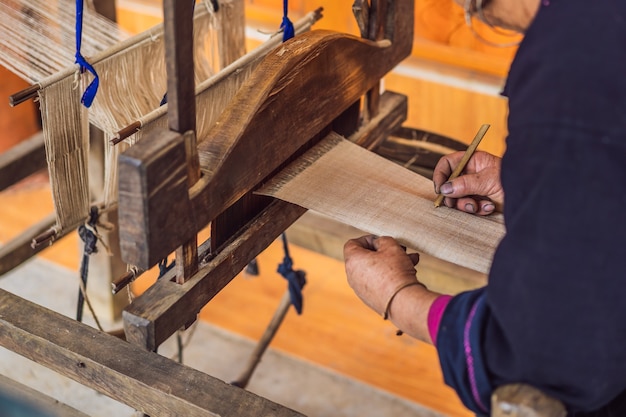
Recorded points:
(409, 311)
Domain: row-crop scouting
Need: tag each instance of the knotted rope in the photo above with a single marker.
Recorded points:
(286, 25)
(296, 279)
(88, 233)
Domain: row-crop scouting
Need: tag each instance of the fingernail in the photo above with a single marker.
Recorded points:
(448, 202)
(446, 188)
(489, 207)
(469, 207)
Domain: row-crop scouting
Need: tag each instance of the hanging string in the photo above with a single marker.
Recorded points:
(90, 92)
(287, 26)
(296, 279)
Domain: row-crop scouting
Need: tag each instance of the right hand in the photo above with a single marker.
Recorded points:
(477, 190)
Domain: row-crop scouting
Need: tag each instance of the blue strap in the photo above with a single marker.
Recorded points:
(90, 92)
(287, 26)
(296, 279)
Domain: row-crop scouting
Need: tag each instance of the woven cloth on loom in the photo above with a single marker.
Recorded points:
(359, 188)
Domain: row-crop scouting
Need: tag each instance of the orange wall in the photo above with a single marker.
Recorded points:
(16, 123)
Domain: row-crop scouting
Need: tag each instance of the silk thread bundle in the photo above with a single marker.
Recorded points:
(213, 95)
(132, 72)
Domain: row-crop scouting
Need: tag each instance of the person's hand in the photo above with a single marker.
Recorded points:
(478, 190)
(375, 267)
(378, 268)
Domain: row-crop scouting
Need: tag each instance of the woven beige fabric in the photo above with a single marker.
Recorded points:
(359, 188)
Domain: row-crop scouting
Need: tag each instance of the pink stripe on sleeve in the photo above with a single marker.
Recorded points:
(434, 315)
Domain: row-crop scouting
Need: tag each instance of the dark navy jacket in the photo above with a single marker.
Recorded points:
(554, 312)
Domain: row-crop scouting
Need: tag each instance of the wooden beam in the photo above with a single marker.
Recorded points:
(22, 160)
(33, 399)
(166, 306)
(143, 380)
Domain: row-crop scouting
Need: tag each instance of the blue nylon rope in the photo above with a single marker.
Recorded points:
(296, 279)
(90, 92)
(287, 26)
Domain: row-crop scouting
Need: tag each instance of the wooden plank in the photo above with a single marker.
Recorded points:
(31, 398)
(19, 250)
(143, 380)
(273, 115)
(166, 306)
(22, 160)
(153, 179)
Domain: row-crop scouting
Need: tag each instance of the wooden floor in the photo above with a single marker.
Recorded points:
(335, 330)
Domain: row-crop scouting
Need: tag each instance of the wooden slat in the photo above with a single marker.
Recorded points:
(22, 160)
(143, 380)
(38, 401)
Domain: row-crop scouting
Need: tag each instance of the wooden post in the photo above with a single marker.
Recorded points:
(178, 31)
(521, 400)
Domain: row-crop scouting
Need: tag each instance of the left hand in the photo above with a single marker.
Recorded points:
(376, 266)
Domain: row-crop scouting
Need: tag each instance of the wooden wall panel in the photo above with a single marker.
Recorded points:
(16, 123)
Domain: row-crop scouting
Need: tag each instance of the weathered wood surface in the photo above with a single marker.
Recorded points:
(143, 380)
(165, 307)
(22, 160)
(48, 406)
(181, 111)
(296, 92)
(392, 113)
(521, 400)
(153, 180)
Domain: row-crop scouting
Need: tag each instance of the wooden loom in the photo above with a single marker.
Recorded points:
(171, 189)
(207, 188)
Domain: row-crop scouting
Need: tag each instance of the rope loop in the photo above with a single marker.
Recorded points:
(287, 26)
(90, 92)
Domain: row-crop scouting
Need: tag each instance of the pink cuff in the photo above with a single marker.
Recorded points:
(434, 315)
